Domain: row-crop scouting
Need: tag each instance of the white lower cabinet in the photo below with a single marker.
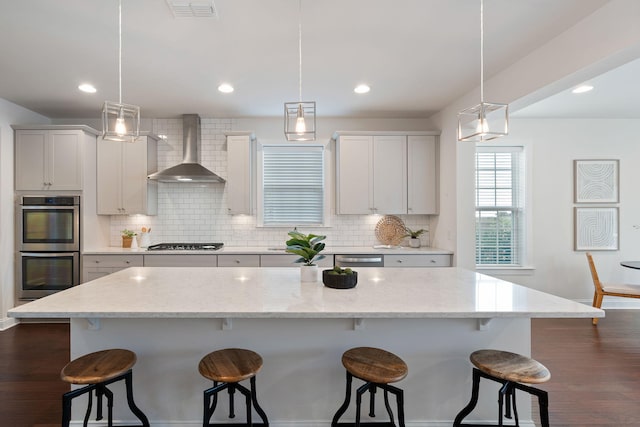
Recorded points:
(95, 266)
(252, 260)
(171, 260)
(289, 260)
(418, 260)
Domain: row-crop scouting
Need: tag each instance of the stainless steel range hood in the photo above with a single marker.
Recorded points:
(190, 170)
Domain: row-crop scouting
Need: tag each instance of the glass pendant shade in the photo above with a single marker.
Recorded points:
(483, 122)
(300, 121)
(120, 122)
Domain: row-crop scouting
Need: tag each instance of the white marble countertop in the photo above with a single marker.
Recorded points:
(189, 292)
(264, 250)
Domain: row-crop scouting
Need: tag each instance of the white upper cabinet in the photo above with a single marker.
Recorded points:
(123, 187)
(422, 174)
(386, 174)
(50, 159)
(240, 176)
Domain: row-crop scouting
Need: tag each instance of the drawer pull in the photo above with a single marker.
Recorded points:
(237, 261)
(433, 261)
(128, 262)
(399, 261)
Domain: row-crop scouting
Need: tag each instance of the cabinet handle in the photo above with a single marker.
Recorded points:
(433, 261)
(127, 262)
(237, 261)
(399, 261)
(97, 262)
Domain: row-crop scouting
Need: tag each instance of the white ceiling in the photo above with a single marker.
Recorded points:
(417, 55)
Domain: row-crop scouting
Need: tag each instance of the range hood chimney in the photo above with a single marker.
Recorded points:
(190, 170)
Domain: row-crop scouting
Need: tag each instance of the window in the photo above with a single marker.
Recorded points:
(292, 185)
(499, 206)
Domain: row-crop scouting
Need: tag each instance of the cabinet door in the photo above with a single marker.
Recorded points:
(354, 191)
(30, 148)
(197, 260)
(64, 165)
(134, 177)
(421, 260)
(109, 177)
(239, 175)
(390, 174)
(422, 172)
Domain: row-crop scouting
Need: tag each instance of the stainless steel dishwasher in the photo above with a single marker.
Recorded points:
(359, 260)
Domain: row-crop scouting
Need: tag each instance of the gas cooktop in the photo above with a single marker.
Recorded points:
(185, 247)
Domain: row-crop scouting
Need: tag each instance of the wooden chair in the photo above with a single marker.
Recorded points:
(614, 290)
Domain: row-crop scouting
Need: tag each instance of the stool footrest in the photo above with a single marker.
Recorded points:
(369, 424)
(236, 424)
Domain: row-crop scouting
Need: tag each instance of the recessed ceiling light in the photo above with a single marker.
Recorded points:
(362, 89)
(88, 88)
(582, 89)
(225, 88)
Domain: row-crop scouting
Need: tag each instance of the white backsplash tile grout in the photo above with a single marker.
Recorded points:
(198, 212)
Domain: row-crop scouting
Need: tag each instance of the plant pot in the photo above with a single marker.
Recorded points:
(309, 273)
(339, 281)
(414, 242)
(126, 241)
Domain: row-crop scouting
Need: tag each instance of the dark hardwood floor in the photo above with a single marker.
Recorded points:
(595, 371)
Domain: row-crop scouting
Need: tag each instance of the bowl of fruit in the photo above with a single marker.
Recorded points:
(340, 278)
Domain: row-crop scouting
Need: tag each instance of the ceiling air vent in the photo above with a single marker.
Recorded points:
(192, 9)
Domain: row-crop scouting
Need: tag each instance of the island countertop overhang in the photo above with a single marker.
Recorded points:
(209, 292)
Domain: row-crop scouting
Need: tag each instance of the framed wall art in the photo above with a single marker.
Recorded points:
(595, 181)
(596, 228)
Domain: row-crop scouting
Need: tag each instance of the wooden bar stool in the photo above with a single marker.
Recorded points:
(98, 370)
(513, 371)
(226, 368)
(377, 368)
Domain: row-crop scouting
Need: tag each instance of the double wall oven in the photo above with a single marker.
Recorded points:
(48, 245)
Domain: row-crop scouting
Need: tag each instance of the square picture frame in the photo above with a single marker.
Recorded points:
(596, 181)
(596, 229)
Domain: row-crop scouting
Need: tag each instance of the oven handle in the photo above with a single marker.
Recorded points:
(49, 254)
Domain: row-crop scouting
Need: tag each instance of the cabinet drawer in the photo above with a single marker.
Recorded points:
(289, 260)
(118, 261)
(199, 260)
(417, 260)
(239, 260)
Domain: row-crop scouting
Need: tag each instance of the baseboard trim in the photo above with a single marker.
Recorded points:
(7, 322)
(615, 303)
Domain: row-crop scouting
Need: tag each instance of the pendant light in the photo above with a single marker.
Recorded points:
(120, 122)
(487, 120)
(300, 117)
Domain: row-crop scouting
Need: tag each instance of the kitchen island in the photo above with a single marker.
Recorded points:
(171, 317)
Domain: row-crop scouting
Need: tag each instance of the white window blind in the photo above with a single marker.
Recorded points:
(293, 185)
(499, 206)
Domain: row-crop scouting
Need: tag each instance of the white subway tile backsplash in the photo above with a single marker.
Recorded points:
(198, 212)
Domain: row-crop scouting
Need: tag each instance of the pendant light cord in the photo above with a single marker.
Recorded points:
(300, 50)
(120, 52)
(481, 51)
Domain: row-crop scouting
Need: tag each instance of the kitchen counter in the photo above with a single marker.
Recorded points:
(432, 318)
(263, 250)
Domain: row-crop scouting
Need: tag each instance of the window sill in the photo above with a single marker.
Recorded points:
(506, 271)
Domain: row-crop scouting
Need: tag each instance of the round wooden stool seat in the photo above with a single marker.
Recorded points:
(230, 365)
(374, 365)
(94, 368)
(510, 366)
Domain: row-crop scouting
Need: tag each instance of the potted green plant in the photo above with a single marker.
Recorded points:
(308, 247)
(127, 237)
(339, 278)
(414, 240)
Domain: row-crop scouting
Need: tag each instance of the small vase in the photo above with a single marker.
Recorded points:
(414, 242)
(309, 273)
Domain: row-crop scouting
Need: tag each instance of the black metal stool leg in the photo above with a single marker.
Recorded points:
(515, 408)
(472, 403)
(388, 406)
(128, 380)
(259, 410)
(87, 414)
(231, 390)
(400, 402)
(109, 395)
(372, 400)
(359, 392)
(342, 409)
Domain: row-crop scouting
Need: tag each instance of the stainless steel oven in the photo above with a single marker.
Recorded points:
(47, 245)
(43, 273)
(48, 223)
